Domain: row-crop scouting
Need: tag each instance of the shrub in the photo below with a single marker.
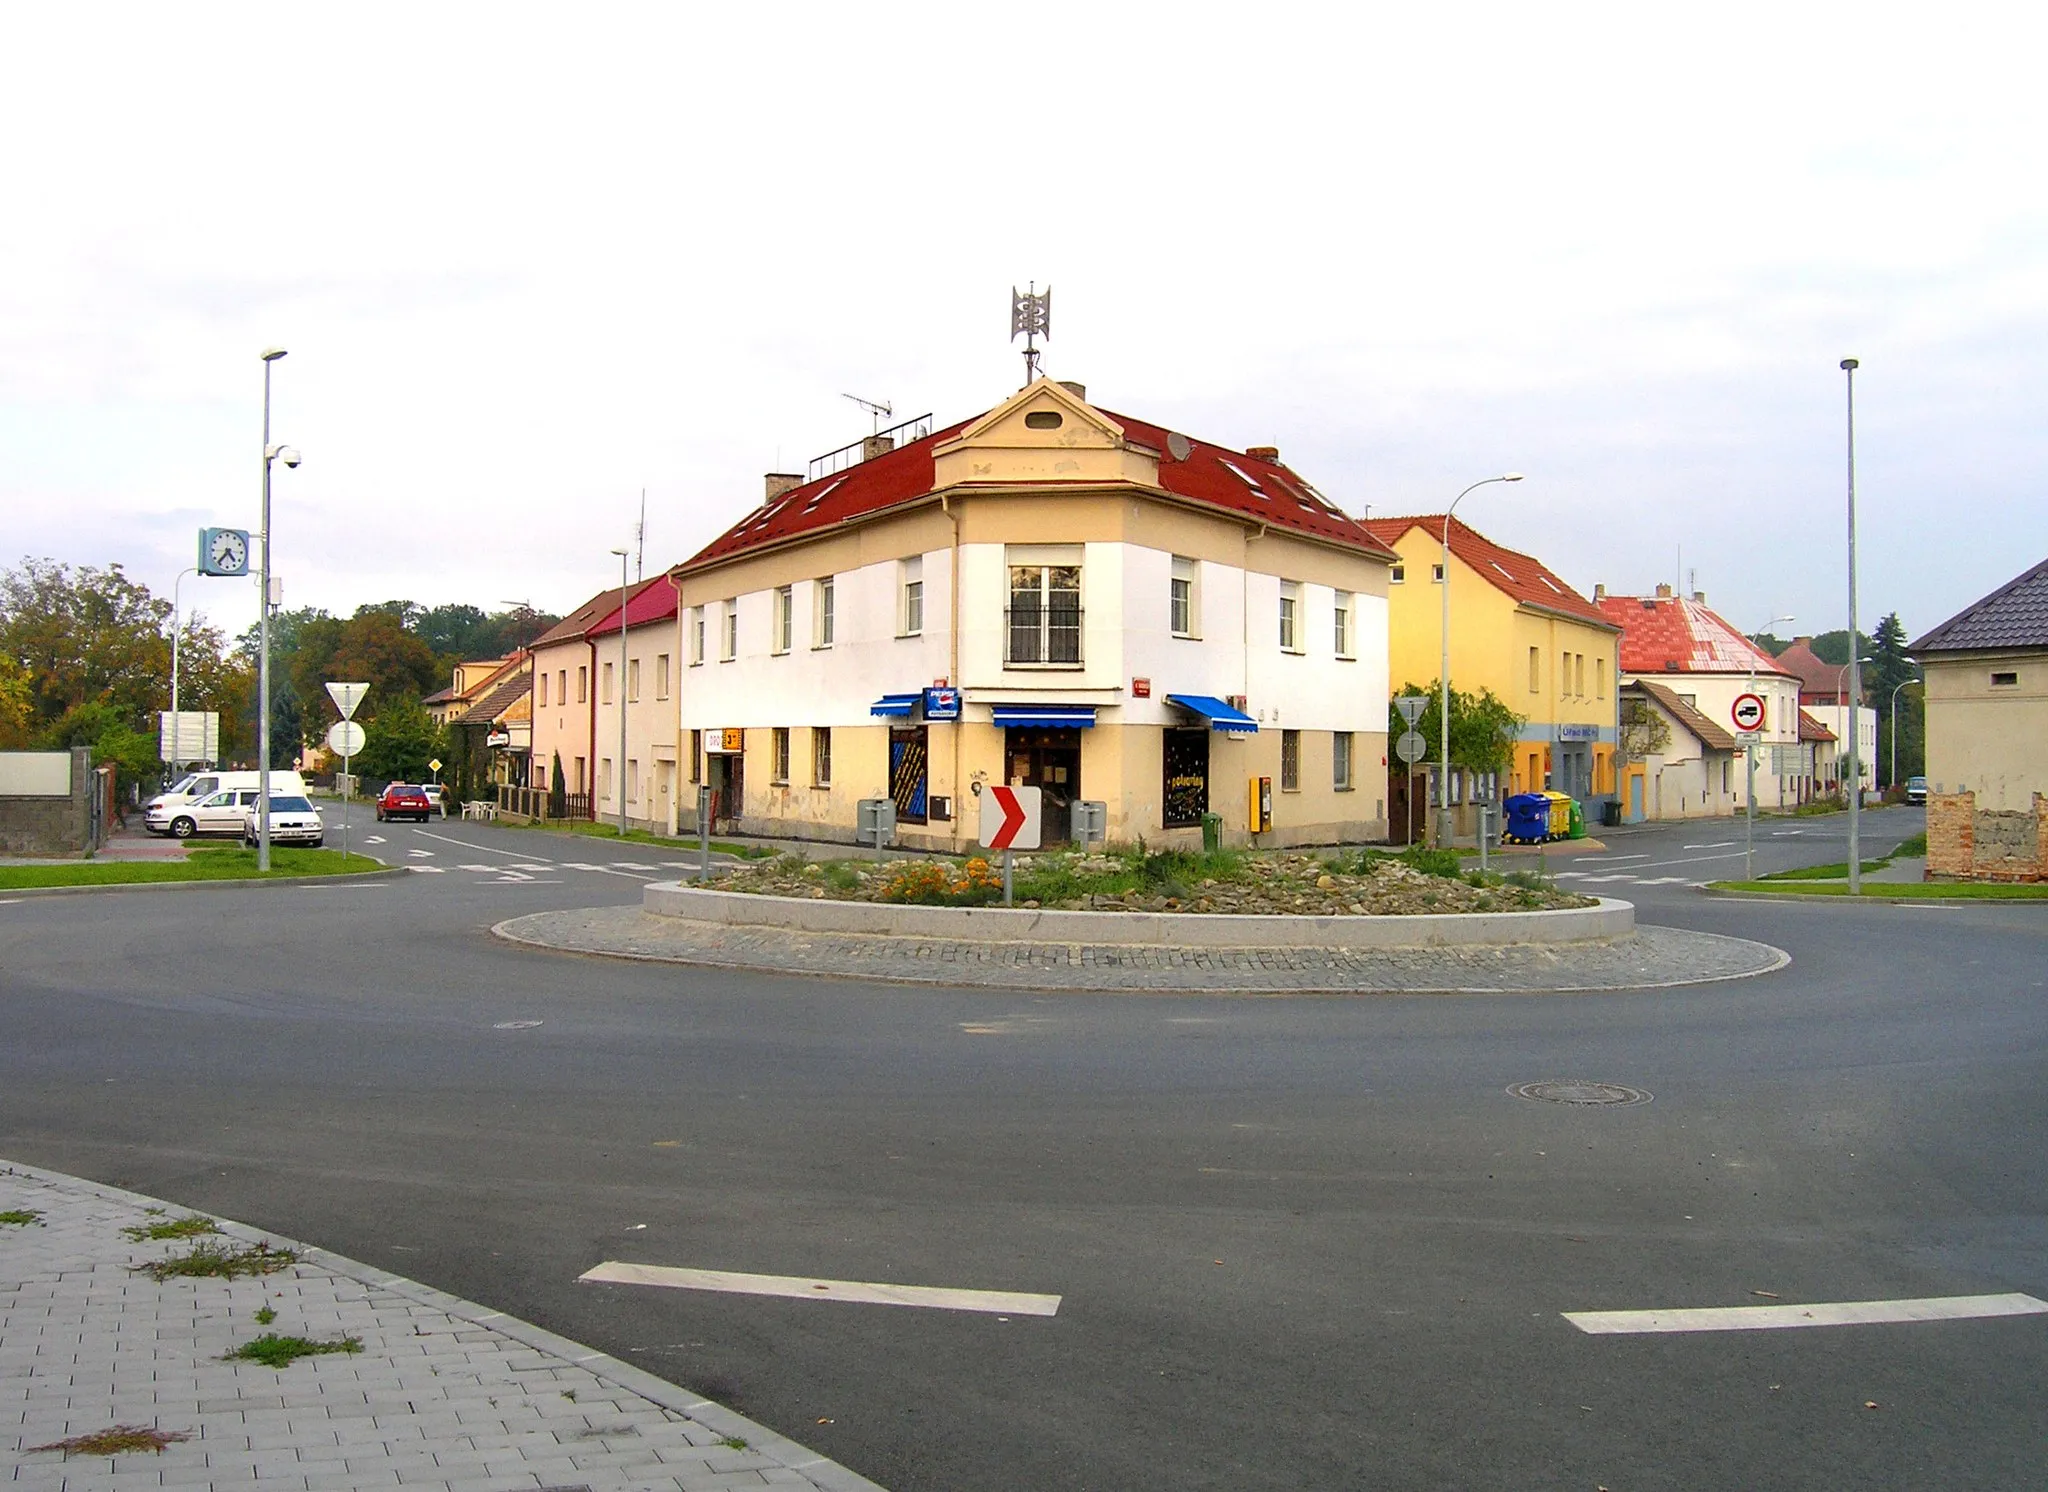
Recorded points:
(928, 883)
(1433, 862)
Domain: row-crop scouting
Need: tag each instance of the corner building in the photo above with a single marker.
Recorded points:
(1047, 595)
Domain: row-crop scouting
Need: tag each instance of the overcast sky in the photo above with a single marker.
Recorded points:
(528, 262)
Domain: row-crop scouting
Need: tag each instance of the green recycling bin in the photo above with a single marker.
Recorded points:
(1212, 833)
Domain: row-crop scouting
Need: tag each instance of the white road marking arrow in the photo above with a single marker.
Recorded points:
(373, 839)
(421, 854)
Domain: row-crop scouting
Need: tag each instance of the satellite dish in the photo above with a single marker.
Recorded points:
(1178, 446)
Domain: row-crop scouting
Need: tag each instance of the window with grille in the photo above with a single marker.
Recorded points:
(1290, 761)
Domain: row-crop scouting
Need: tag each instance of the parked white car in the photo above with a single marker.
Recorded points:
(217, 813)
(293, 820)
(174, 803)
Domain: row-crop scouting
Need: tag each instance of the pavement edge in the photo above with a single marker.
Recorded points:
(825, 1473)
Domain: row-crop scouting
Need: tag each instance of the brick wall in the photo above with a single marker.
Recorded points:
(1966, 843)
(1951, 834)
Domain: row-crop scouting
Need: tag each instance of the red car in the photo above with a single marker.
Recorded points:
(402, 801)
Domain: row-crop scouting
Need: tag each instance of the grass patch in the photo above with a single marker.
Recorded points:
(210, 1260)
(265, 1315)
(215, 863)
(115, 1440)
(20, 1217)
(734, 1443)
(1912, 849)
(274, 1351)
(184, 1227)
(1928, 891)
(1837, 872)
(643, 836)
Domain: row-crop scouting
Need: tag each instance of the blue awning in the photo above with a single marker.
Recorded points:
(1045, 717)
(1219, 715)
(897, 704)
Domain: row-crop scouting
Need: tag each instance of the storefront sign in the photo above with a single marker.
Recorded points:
(725, 742)
(1578, 733)
(942, 704)
(1141, 688)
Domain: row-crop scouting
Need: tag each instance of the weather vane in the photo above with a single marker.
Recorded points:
(1031, 314)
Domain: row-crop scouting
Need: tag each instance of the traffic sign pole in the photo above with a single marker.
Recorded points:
(1009, 893)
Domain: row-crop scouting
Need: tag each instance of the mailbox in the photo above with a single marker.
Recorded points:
(1262, 805)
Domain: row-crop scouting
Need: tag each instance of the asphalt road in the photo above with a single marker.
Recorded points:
(1298, 1243)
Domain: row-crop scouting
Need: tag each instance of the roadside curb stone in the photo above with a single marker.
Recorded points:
(1651, 958)
(446, 1393)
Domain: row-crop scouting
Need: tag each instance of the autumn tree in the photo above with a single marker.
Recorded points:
(85, 636)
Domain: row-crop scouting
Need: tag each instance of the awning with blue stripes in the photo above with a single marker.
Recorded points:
(897, 704)
(1220, 716)
(1045, 717)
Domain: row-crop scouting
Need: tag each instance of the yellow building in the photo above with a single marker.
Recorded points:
(1987, 697)
(1544, 650)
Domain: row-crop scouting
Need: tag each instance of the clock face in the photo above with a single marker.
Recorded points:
(228, 552)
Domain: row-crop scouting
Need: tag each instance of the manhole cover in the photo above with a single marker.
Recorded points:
(1583, 1094)
(515, 1025)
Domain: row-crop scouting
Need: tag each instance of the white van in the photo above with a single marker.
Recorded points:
(165, 808)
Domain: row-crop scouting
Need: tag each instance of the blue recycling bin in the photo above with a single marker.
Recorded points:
(1528, 818)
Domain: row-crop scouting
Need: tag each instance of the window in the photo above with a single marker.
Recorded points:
(604, 689)
(1564, 674)
(1043, 419)
(1342, 632)
(1397, 575)
(632, 779)
(696, 635)
(604, 777)
(1340, 760)
(781, 772)
(1290, 616)
(1436, 572)
(1535, 671)
(1727, 765)
(633, 681)
(785, 617)
(696, 756)
(821, 756)
(561, 686)
(1181, 612)
(582, 775)
(1044, 616)
(821, 612)
(661, 676)
(543, 700)
(1579, 674)
(582, 682)
(1290, 761)
(2005, 680)
(729, 633)
(910, 606)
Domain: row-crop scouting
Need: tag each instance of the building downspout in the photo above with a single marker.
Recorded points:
(953, 664)
(676, 672)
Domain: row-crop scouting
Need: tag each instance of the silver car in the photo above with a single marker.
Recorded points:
(293, 820)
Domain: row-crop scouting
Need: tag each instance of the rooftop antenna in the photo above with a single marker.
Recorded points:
(879, 412)
(1031, 314)
(640, 539)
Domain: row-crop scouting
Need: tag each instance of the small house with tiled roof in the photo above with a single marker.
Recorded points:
(1048, 595)
(1824, 694)
(566, 688)
(496, 727)
(465, 686)
(1518, 630)
(1684, 647)
(1987, 697)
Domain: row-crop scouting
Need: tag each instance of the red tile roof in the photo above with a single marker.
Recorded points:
(647, 601)
(1811, 729)
(1820, 682)
(1215, 476)
(1521, 576)
(1669, 634)
(572, 627)
(1704, 730)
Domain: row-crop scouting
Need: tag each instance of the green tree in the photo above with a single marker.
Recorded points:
(86, 636)
(17, 705)
(399, 743)
(1483, 729)
(370, 647)
(558, 791)
(105, 727)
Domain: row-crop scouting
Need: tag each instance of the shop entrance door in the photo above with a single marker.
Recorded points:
(1051, 760)
(727, 776)
(909, 772)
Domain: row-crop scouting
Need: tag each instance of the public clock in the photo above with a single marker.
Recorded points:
(223, 551)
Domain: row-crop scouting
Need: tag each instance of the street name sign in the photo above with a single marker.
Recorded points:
(346, 697)
(1748, 712)
(1010, 818)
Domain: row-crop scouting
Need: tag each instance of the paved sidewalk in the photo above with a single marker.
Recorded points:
(444, 1394)
(1654, 957)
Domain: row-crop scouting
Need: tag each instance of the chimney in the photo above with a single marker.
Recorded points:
(1663, 592)
(1599, 592)
(872, 446)
(1699, 598)
(1078, 390)
(1264, 453)
(1804, 642)
(780, 482)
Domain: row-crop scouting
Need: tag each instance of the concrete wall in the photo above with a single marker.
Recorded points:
(46, 802)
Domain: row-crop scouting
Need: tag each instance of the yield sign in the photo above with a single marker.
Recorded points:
(346, 697)
(1010, 818)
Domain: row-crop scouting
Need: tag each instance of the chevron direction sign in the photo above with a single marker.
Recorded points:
(1010, 817)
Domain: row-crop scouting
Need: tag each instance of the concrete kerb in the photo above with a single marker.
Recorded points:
(821, 1472)
(1608, 920)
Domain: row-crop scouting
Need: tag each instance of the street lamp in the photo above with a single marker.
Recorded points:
(176, 733)
(1852, 719)
(1443, 771)
(1749, 759)
(620, 779)
(1855, 678)
(1894, 712)
(291, 458)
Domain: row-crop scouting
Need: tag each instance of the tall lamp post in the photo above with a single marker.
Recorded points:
(1749, 760)
(1894, 712)
(1855, 676)
(176, 628)
(291, 458)
(1443, 771)
(1852, 720)
(621, 778)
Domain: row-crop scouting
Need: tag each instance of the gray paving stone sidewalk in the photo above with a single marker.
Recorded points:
(1653, 958)
(444, 1394)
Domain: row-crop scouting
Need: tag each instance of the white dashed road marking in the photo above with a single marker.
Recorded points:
(373, 839)
(1785, 1317)
(600, 869)
(429, 870)
(796, 1287)
(482, 849)
(1719, 844)
(421, 854)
